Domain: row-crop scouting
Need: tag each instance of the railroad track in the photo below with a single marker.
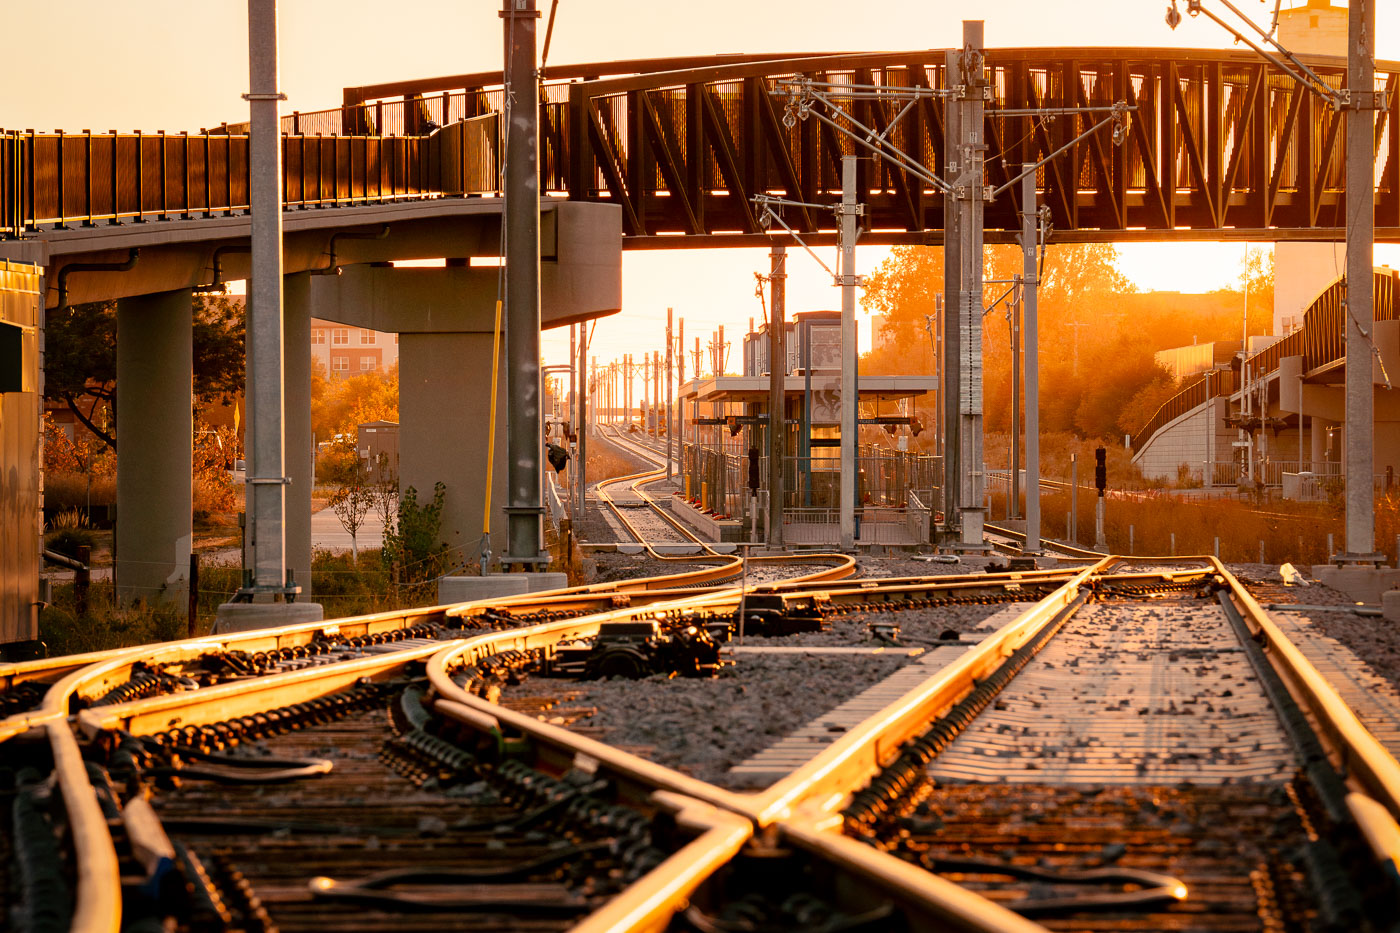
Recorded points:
(390, 789)
(653, 526)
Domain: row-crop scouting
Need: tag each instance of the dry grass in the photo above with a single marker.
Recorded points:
(70, 490)
(1289, 531)
(605, 463)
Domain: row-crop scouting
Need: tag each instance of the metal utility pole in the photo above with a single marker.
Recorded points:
(970, 192)
(719, 352)
(524, 479)
(952, 278)
(581, 422)
(777, 390)
(656, 390)
(849, 403)
(670, 433)
(1030, 284)
(267, 479)
(1361, 236)
(1013, 505)
(680, 381)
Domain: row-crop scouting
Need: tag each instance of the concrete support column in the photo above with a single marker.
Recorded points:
(155, 367)
(296, 425)
(444, 380)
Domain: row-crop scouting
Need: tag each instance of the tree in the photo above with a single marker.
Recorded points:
(351, 503)
(338, 405)
(80, 357)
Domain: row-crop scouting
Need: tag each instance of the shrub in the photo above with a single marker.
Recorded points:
(68, 540)
(413, 551)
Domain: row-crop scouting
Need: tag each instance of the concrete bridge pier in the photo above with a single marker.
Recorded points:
(155, 367)
(445, 318)
(298, 455)
(444, 394)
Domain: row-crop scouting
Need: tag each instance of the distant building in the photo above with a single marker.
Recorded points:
(1189, 361)
(881, 334)
(349, 351)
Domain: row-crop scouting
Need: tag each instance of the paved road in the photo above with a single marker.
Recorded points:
(327, 531)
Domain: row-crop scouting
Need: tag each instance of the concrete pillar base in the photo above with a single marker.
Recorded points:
(247, 617)
(1363, 584)
(1390, 605)
(466, 589)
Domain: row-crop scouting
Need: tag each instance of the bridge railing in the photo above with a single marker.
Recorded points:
(1210, 385)
(85, 179)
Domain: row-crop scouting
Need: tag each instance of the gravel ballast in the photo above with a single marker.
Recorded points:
(705, 726)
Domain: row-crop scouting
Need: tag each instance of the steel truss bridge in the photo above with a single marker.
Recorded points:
(1219, 145)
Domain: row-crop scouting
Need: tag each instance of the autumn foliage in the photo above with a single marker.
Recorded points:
(1098, 334)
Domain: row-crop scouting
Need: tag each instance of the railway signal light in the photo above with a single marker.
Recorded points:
(1100, 469)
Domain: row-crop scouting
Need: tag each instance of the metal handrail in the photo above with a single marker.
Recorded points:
(1212, 384)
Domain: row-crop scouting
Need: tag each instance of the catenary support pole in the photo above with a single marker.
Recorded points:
(970, 201)
(670, 425)
(849, 403)
(777, 390)
(1013, 505)
(525, 515)
(581, 420)
(681, 383)
(267, 477)
(1361, 232)
(952, 286)
(1030, 284)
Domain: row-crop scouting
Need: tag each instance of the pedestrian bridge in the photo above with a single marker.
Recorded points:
(1217, 145)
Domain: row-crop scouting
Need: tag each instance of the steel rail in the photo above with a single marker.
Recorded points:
(99, 889)
(857, 756)
(945, 905)
(846, 564)
(638, 479)
(648, 905)
(817, 788)
(803, 805)
(53, 671)
(236, 698)
(1066, 551)
(1371, 770)
(97, 899)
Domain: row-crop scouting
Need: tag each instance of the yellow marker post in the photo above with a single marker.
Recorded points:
(491, 442)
